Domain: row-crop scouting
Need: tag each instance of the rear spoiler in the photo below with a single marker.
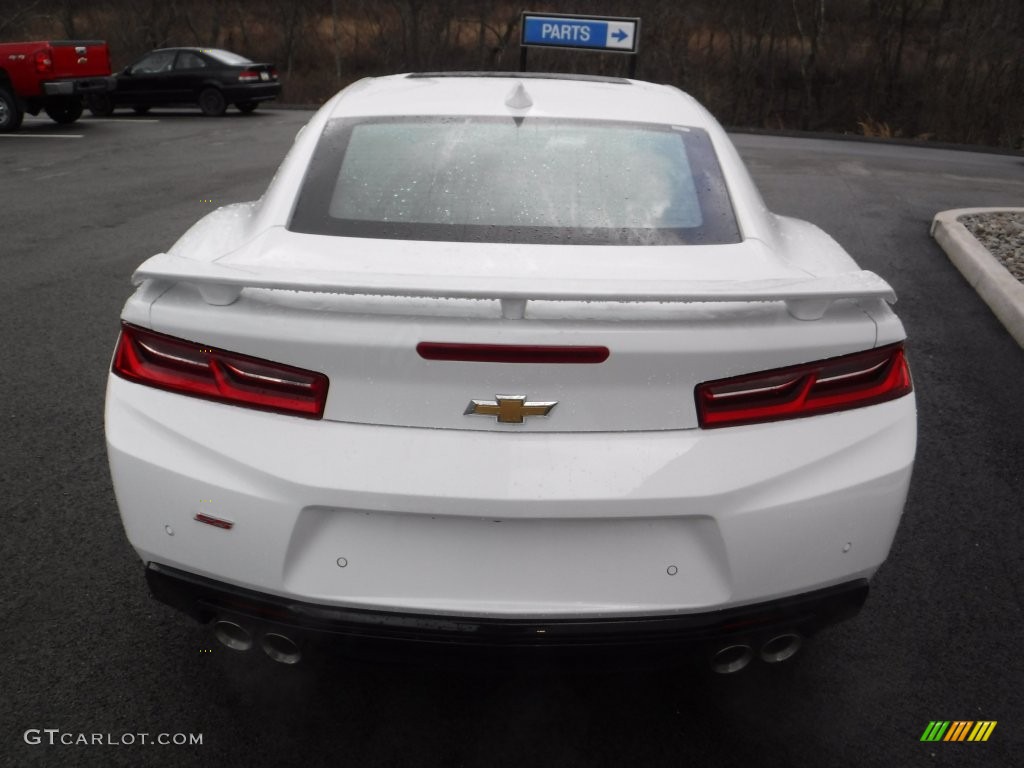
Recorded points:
(805, 298)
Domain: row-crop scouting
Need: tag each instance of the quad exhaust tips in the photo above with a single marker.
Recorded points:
(278, 647)
(727, 660)
(736, 656)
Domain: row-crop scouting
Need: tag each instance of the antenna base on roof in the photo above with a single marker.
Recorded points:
(518, 98)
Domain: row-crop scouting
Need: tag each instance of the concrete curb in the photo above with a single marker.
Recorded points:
(1003, 293)
(856, 137)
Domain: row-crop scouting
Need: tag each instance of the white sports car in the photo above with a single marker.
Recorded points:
(511, 360)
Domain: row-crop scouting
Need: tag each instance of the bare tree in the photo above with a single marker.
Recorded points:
(10, 21)
(949, 69)
(809, 16)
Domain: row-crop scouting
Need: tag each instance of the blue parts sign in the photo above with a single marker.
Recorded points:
(601, 33)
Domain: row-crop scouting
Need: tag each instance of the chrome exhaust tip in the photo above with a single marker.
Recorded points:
(732, 658)
(280, 648)
(232, 635)
(781, 647)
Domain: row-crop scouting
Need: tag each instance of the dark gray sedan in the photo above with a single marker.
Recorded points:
(209, 77)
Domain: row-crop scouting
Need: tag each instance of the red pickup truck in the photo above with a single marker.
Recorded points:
(51, 76)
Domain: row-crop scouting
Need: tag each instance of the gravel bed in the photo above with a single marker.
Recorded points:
(1002, 233)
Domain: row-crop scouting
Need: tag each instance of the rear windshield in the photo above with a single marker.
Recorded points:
(227, 57)
(515, 180)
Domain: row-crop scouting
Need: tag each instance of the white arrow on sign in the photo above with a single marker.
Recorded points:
(620, 35)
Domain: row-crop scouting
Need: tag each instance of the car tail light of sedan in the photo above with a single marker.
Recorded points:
(248, 76)
(273, 73)
(176, 365)
(836, 384)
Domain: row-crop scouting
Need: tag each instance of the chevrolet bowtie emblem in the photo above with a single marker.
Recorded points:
(510, 409)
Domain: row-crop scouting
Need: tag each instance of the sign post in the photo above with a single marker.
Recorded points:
(608, 34)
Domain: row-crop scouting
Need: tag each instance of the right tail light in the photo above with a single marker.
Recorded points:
(835, 384)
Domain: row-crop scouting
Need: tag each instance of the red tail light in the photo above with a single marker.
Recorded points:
(273, 73)
(248, 76)
(166, 362)
(43, 62)
(836, 384)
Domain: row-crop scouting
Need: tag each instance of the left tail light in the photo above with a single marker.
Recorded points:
(176, 365)
(43, 62)
(248, 76)
(836, 384)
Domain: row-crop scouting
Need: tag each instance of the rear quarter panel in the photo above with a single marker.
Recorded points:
(16, 63)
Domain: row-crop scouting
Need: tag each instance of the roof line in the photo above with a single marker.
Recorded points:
(526, 75)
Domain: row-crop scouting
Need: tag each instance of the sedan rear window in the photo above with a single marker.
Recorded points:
(227, 57)
(532, 180)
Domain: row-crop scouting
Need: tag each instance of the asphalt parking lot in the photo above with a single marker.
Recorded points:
(86, 651)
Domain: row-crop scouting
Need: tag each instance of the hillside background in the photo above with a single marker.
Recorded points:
(939, 70)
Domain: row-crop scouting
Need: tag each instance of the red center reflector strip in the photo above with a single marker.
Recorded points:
(511, 353)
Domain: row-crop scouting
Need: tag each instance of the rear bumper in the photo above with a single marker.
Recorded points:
(381, 632)
(531, 526)
(252, 92)
(80, 87)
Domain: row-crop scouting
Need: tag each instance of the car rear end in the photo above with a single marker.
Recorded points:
(389, 434)
(244, 81)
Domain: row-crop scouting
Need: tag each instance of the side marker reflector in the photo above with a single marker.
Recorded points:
(216, 522)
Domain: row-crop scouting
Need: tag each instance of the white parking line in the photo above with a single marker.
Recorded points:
(41, 135)
(121, 120)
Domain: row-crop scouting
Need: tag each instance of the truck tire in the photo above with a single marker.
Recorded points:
(100, 104)
(10, 112)
(64, 110)
(212, 102)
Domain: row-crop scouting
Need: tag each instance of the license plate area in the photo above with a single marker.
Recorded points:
(507, 566)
